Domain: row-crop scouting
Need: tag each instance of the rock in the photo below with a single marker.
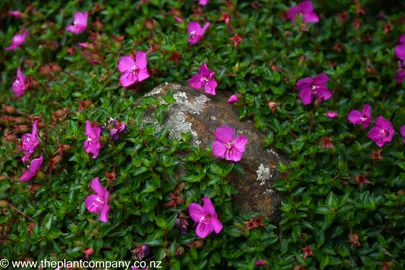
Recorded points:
(201, 114)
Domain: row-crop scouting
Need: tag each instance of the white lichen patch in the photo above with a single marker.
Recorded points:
(213, 118)
(263, 174)
(272, 152)
(268, 192)
(176, 120)
(158, 90)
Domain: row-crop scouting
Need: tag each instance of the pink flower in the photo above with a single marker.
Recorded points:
(83, 44)
(331, 115)
(226, 146)
(233, 99)
(79, 23)
(133, 71)
(196, 32)
(205, 217)
(119, 128)
(19, 85)
(400, 53)
(92, 145)
(178, 19)
(32, 169)
(363, 118)
(98, 203)
(17, 41)
(30, 142)
(306, 9)
(15, 13)
(204, 79)
(202, 2)
(382, 132)
(260, 263)
(309, 87)
(402, 131)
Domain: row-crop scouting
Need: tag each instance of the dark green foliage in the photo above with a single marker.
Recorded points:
(324, 206)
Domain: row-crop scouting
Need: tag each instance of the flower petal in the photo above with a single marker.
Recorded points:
(143, 75)
(195, 211)
(400, 51)
(233, 155)
(305, 83)
(206, 25)
(292, 12)
(239, 143)
(306, 7)
(36, 164)
(306, 96)
(195, 82)
(311, 17)
(354, 117)
(125, 63)
(97, 187)
(194, 27)
(141, 60)
(323, 93)
(218, 149)
(92, 203)
(89, 130)
(26, 175)
(127, 79)
(400, 75)
(402, 131)
(224, 134)
(210, 87)
(216, 224)
(208, 206)
(321, 79)
(203, 230)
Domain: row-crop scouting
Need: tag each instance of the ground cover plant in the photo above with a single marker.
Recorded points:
(81, 178)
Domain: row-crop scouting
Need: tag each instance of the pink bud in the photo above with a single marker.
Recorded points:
(331, 114)
(15, 13)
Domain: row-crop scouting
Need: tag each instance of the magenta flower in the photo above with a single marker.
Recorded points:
(233, 99)
(363, 118)
(260, 263)
(205, 217)
(226, 146)
(402, 131)
(400, 75)
(92, 145)
(133, 71)
(119, 128)
(331, 115)
(17, 41)
(15, 13)
(79, 23)
(309, 87)
(19, 85)
(196, 32)
(204, 79)
(382, 132)
(32, 170)
(30, 142)
(305, 9)
(202, 2)
(98, 203)
(400, 53)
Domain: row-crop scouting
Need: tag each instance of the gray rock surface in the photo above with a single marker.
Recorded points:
(201, 114)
